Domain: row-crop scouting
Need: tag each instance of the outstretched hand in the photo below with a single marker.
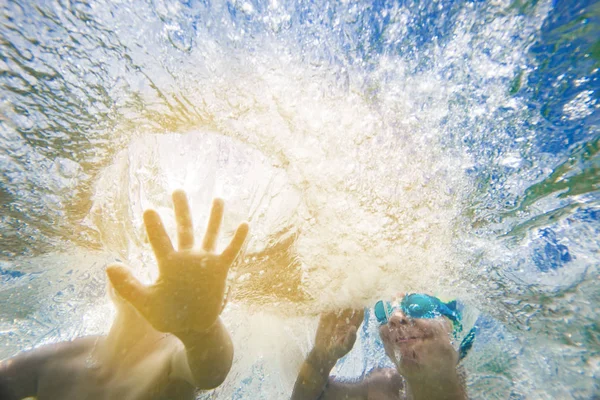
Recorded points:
(188, 294)
(336, 333)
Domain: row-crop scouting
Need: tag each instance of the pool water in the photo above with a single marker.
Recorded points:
(449, 147)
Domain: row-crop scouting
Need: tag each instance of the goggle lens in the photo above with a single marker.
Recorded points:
(413, 306)
(381, 311)
(421, 306)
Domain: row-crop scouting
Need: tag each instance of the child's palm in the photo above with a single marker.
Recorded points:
(336, 333)
(188, 294)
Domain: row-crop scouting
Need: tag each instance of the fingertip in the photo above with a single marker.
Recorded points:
(239, 237)
(157, 235)
(124, 283)
(180, 199)
(115, 269)
(244, 228)
(217, 209)
(117, 273)
(150, 216)
(115, 265)
(179, 193)
(218, 203)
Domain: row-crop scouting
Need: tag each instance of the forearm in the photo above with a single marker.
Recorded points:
(207, 357)
(313, 377)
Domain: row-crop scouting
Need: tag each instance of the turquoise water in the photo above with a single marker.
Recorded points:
(374, 147)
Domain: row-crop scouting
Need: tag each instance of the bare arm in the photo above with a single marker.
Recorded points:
(335, 337)
(188, 296)
(207, 357)
(314, 382)
(19, 376)
(313, 376)
(380, 384)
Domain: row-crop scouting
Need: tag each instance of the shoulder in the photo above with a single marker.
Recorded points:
(385, 383)
(19, 375)
(36, 358)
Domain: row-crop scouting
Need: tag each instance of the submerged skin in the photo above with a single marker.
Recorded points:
(167, 339)
(426, 361)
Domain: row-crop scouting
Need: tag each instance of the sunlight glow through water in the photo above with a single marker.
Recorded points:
(443, 147)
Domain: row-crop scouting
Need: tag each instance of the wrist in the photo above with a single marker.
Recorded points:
(195, 335)
(321, 361)
(313, 376)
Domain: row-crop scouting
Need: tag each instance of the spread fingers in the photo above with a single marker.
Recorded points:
(161, 244)
(214, 224)
(185, 227)
(231, 252)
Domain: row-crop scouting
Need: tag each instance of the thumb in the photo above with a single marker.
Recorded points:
(127, 286)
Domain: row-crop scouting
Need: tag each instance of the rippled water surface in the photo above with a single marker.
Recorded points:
(445, 146)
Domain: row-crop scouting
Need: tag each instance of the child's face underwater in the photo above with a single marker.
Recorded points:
(418, 345)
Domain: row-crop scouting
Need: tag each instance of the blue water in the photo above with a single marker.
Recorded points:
(509, 89)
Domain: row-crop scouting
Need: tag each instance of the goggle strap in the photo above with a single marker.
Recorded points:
(467, 343)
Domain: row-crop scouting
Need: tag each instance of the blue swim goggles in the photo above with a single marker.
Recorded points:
(419, 305)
